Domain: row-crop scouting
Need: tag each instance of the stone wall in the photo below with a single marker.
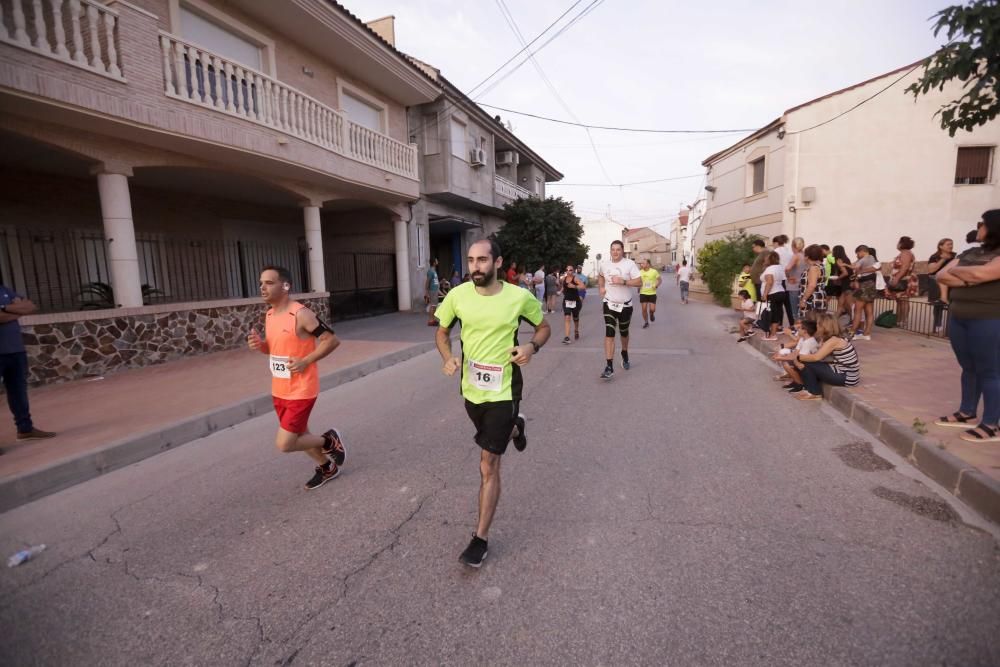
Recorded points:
(91, 345)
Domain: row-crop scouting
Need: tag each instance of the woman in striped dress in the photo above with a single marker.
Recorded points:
(843, 371)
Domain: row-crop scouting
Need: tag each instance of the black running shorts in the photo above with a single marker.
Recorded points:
(494, 423)
(575, 312)
(614, 319)
(647, 298)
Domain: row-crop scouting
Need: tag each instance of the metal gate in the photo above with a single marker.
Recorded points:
(361, 284)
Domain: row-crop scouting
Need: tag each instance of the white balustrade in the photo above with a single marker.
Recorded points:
(91, 42)
(505, 188)
(207, 79)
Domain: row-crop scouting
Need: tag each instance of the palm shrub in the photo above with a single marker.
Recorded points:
(720, 261)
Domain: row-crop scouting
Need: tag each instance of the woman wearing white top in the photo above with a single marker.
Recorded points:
(772, 285)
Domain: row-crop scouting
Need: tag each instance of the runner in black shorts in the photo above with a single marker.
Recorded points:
(572, 303)
(617, 278)
(490, 312)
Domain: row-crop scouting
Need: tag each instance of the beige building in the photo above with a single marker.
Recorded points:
(645, 243)
(856, 166)
(158, 152)
(471, 166)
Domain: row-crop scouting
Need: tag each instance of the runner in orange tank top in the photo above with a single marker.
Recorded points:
(294, 340)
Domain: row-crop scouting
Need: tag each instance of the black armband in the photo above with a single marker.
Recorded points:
(320, 329)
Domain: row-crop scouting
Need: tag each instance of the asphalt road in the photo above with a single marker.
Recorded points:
(686, 513)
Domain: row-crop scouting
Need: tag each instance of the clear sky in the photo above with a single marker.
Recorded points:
(666, 64)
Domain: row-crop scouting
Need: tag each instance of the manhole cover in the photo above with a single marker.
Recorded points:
(859, 455)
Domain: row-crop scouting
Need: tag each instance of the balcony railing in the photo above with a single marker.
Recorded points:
(198, 76)
(82, 33)
(505, 188)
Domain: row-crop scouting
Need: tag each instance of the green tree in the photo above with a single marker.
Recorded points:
(972, 55)
(721, 260)
(541, 231)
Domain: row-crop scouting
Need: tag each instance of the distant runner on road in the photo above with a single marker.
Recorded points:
(490, 311)
(572, 301)
(647, 293)
(617, 278)
(296, 339)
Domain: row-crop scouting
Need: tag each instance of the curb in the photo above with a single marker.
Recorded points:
(26, 487)
(964, 481)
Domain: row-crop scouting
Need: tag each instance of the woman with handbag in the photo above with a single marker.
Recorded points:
(903, 283)
(973, 294)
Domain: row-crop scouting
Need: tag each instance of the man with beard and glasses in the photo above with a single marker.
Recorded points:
(489, 311)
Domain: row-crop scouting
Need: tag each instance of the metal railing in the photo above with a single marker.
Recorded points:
(197, 75)
(68, 269)
(82, 33)
(916, 315)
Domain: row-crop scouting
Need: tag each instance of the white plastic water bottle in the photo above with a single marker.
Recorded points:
(25, 554)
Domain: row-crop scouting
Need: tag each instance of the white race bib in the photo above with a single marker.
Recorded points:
(647, 284)
(616, 307)
(279, 367)
(569, 305)
(487, 377)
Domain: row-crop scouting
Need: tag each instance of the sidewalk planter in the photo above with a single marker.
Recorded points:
(70, 346)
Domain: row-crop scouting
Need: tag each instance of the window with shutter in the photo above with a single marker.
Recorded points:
(974, 165)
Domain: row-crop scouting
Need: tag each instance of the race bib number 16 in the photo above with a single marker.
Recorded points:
(487, 377)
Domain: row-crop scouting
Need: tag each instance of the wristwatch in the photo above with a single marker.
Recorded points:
(535, 345)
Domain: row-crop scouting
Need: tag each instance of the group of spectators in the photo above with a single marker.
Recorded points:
(797, 282)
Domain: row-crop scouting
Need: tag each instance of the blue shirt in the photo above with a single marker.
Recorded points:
(10, 332)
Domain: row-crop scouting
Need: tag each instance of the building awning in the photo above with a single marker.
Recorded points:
(449, 224)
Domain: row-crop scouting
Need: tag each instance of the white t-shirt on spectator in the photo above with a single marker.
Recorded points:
(785, 254)
(749, 309)
(777, 272)
(807, 346)
(624, 268)
(684, 274)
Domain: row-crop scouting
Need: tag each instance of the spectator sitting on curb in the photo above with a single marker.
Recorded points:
(806, 344)
(973, 282)
(748, 315)
(843, 371)
(14, 363)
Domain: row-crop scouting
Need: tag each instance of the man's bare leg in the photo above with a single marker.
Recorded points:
(489, 491)
(286, 441)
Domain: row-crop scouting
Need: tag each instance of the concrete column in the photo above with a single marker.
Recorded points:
(402, 263)
(123, 260)
(314, 239)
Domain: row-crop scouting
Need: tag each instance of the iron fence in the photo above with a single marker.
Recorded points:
(68, 269)
(917, 315)
(361, 283)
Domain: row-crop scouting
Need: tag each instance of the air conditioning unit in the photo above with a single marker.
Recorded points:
(477, 157)
(808, 195)
(507, 157)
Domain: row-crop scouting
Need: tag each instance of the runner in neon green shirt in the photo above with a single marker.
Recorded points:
(490, 312)
(647, 293)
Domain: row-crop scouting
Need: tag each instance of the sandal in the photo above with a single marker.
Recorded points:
(956, 420)
(975, 434)
(806, 396)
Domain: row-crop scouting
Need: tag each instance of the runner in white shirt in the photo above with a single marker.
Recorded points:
(684, 280)
(617, 278)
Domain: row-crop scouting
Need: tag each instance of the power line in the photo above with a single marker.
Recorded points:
(509, 17)
(624, 185)
(616, 129)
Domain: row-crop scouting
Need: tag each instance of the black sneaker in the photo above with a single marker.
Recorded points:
(576, 335)
(475, 553)
(645, 325)
(741, 339)
(652, 317)
(520, 440)
(566, 340)
(796, 389)
(335, 447)
(626, 365)
(791, 385)
(324, 474)
(608, 373)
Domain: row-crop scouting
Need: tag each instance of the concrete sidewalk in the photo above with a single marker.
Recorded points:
(107, 423)
(907, 382)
